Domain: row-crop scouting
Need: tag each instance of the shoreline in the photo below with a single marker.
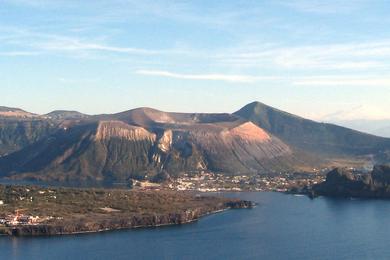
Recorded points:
(12, 229)
(135, 227)
(37, 211)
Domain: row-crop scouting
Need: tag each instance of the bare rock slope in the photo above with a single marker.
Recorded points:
(144, 142)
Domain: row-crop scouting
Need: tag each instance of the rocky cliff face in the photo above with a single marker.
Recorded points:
(380, 177)
(107, 130)
(244, 148)
(141, 143)
(343, 183)
(15, 134)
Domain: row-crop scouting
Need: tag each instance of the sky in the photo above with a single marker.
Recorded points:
(324, 60)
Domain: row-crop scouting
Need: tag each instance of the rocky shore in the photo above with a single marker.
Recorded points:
(345, 183)
(75, 211)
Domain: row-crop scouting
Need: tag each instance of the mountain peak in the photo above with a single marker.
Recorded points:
(142, 116)
(14, 112)
(4, 109)
(254, 106)
(260, 110)
(65, 114)
(143, 141)
(309, 135)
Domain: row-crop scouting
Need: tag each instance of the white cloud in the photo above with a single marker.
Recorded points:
(349, 56)
(71, 44)
(36, 42)
(343, 56)
(329, 80)
(218, 77)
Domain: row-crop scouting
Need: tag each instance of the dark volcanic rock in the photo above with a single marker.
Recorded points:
(342, 183)
(240, 204)
(140, 143)
(67, 146)
(339, 182)
(380, 176)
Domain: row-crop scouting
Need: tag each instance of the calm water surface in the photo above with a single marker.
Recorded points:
(281, 227)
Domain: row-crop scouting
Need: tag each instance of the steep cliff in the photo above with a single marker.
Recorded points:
(343, 183)
(114, 150)
(148, 143)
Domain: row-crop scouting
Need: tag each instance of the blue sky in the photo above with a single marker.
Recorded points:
(326, 60)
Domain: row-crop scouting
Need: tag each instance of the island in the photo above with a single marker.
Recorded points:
(34, 210)
(347, 183)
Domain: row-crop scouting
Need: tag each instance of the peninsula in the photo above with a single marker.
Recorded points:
(33, 210)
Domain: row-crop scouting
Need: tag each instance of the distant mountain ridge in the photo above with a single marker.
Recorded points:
(15, 112)
(145, 143)
(312, 136)
(65, 114)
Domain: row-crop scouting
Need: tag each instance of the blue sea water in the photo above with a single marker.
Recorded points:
(281, 227)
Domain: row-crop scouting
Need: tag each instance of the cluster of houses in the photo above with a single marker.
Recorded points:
(14, 220)
(208, 182)
(212, 182)
(18, 219)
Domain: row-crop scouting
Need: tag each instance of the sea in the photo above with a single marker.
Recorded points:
(281, 227)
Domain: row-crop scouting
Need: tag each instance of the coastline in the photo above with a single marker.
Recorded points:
(139, 227)
(172, 208)
(15, 231)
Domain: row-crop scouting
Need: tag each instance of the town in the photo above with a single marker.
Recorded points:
(37, 210)
(212, 182)
(198, 182)
(217, 182)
